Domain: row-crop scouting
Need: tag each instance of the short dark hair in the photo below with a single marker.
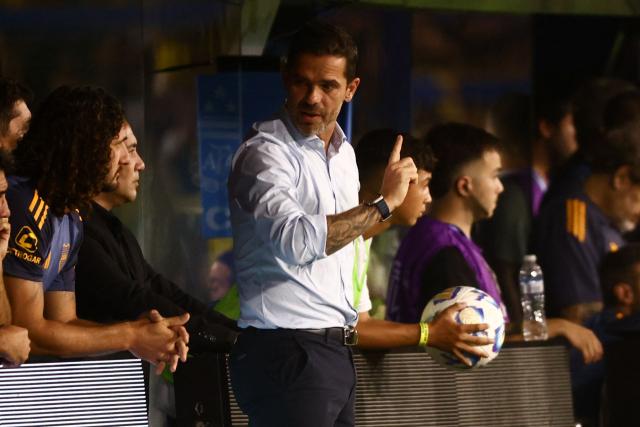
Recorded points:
(622, 110)
(11, 91)
(374, 148)
(618, 267)
(67, 150)
(454, 145)
(321, 38)
(620, 147)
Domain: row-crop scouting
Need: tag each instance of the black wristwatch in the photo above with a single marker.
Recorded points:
(382, 207)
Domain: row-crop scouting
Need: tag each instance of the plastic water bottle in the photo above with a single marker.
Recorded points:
(534, 323)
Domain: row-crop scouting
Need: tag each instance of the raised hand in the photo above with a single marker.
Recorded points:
(448, 335)
(398, 174)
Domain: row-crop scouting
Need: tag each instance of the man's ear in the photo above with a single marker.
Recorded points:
(545, 128)
(623, 293)
(463, 186)
(352, 86)
(621, 179)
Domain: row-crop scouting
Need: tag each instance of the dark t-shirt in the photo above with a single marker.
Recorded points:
(571, 236)
(42, 247)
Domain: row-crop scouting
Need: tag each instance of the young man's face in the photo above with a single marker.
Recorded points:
(563, 138)
(484, 184)
(119, 158)
(219, 281)
(626, 207)
(129, 176)
(316, 88)
(415, 202)
(18, 126)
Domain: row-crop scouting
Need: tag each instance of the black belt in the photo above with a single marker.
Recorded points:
(347, 335)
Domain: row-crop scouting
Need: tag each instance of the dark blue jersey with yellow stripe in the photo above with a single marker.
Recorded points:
(571, 236)
(42, 247)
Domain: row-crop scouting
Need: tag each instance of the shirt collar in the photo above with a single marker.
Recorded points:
(108, 217)
(337, 138)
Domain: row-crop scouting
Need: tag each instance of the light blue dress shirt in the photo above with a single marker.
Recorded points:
(281, 188)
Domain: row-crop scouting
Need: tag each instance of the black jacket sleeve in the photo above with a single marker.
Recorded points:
(106, 293)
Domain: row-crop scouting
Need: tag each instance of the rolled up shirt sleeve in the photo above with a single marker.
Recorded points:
(263, 184)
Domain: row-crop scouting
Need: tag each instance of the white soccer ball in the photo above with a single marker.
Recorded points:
(481, 308)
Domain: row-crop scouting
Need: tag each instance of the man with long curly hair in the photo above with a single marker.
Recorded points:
(73, 151)
(114, 280)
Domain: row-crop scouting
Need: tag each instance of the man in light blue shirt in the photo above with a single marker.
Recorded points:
(293, 192)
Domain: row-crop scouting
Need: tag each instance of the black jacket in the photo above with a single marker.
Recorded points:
(115, 283)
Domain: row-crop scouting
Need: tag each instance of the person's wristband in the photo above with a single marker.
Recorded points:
(424, 334)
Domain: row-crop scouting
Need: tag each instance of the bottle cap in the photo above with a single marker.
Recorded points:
(530, 258)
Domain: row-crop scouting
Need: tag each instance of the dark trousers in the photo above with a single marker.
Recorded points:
(292, 378)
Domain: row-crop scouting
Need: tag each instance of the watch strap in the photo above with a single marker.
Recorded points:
(382, 207)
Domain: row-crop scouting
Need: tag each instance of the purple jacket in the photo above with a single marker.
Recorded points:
(424, 240)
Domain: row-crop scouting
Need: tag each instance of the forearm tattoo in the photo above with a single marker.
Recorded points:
(345, 227)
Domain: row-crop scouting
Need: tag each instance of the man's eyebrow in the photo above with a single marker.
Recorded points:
(330, 82)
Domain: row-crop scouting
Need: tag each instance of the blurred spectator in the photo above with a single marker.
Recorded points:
(114, 282)
(624, 110)
(221, 277)
(620, 280)
(554, 142)
(14, 113)
(575, 231)
(504, 237)
(588, 106)
(74, 149)
(222, 291)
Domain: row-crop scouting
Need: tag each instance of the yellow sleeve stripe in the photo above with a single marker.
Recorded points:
(577, 219)
(32, 205)
(47, 261)
(44, 217)
(582, 221)
(41, 206)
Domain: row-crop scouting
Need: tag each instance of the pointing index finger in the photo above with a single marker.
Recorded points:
(397, 148)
